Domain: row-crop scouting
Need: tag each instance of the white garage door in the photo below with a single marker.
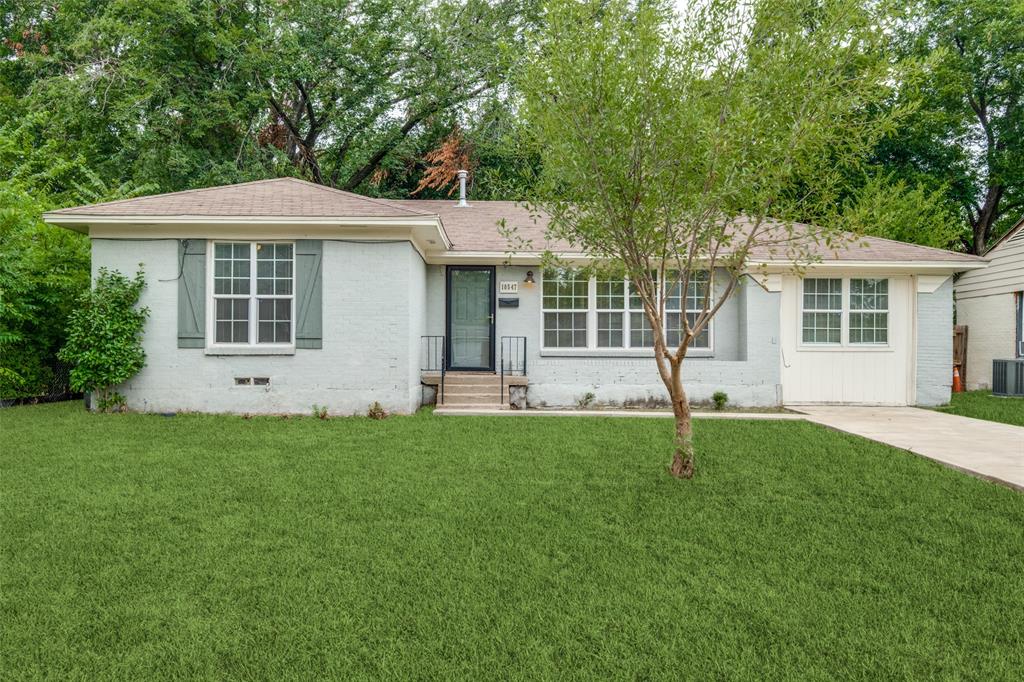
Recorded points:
(847, 339)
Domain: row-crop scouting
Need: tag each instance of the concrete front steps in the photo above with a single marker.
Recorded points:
(473, 390)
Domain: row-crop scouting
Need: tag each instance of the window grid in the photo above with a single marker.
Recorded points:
(854, 308)
(614, 312)
(822, 318)
(697, 290)
(641, 333)
(253, 305)
(610, 303)
(869, 311)
(566, 299)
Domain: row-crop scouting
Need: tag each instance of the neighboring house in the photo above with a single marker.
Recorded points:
(990, 302)
(277, 295)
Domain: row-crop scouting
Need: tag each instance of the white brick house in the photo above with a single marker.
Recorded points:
(990, 302)
(277, 295)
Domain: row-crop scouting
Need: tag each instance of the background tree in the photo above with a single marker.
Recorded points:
(669, 151)
(967, 135)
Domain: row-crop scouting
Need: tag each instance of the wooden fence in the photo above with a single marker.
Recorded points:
(960, 351)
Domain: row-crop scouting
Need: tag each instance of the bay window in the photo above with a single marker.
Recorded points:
(253, 293)
(606, 313)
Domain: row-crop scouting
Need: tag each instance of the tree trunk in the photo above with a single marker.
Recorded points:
(981, 228)
(682, 459)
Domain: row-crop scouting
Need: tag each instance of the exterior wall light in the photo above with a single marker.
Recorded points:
(529, 278)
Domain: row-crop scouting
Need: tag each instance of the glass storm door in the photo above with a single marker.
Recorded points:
(471, 317)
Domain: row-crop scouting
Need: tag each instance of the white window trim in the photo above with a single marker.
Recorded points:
(844, 319)
(626, 350)
(252, 347)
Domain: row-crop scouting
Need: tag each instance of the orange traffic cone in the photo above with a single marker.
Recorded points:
(958, 387)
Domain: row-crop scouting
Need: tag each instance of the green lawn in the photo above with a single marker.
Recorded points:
(984, 405)
(141, 546)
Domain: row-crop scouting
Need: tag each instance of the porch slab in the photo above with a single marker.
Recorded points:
(986, 449)
(434, 378)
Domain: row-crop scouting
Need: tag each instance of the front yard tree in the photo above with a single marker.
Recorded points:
(675, 146)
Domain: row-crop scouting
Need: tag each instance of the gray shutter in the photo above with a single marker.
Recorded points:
(309, 293)
(192, 294)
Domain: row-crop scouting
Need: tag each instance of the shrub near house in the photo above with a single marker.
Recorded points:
(104, 337)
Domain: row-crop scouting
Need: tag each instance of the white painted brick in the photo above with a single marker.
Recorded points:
(935, 345)
(372, 313)
(991, 328)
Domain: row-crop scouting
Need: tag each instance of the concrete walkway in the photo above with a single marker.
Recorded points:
(665, 414)
(986, 449)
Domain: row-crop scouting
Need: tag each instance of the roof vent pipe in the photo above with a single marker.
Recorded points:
(462, 188)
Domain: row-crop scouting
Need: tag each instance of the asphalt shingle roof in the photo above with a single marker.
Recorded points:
(281, 197)
(474, 228)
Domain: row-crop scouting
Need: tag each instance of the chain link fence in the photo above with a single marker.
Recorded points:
(56, 387)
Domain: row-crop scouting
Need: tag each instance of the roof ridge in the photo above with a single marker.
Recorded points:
(372, 200)
(194, 190)
(215, 188)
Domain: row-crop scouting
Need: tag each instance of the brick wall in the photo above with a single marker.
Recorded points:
(990, 335)
(372, 319)
(935, 345)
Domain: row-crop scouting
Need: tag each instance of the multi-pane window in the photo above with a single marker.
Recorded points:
(869, 311)
(860, 306)
(823, 310)
(698, 294)
(610, 298)
(606, 312)
(641, 333)
(565, 301)
(253, 292)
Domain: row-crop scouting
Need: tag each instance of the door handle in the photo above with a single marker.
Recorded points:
(491, 318)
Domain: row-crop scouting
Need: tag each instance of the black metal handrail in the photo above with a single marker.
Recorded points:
(434, 360)
(512, 362)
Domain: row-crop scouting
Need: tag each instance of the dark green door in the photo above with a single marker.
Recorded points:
(470, 318)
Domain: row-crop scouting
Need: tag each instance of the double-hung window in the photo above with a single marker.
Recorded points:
(607, 313)
(566, 299)
(853, 311)
(641, 334)
(869, 311)
(610, 298)
(823, 310)
(692, 304)
(253, 293)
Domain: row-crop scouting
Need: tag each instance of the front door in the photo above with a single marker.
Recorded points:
(470, 318)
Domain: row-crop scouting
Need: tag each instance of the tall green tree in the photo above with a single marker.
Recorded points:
(186, 93)
(352, 81)
(967, 135)
(671, 149)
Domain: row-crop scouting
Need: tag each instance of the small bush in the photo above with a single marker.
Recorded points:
(377, 411)
(105, 335)
(320, 411)
(112, 402)
(720, 398)
(585, 400)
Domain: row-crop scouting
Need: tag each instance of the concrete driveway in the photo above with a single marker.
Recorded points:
(987, 449)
